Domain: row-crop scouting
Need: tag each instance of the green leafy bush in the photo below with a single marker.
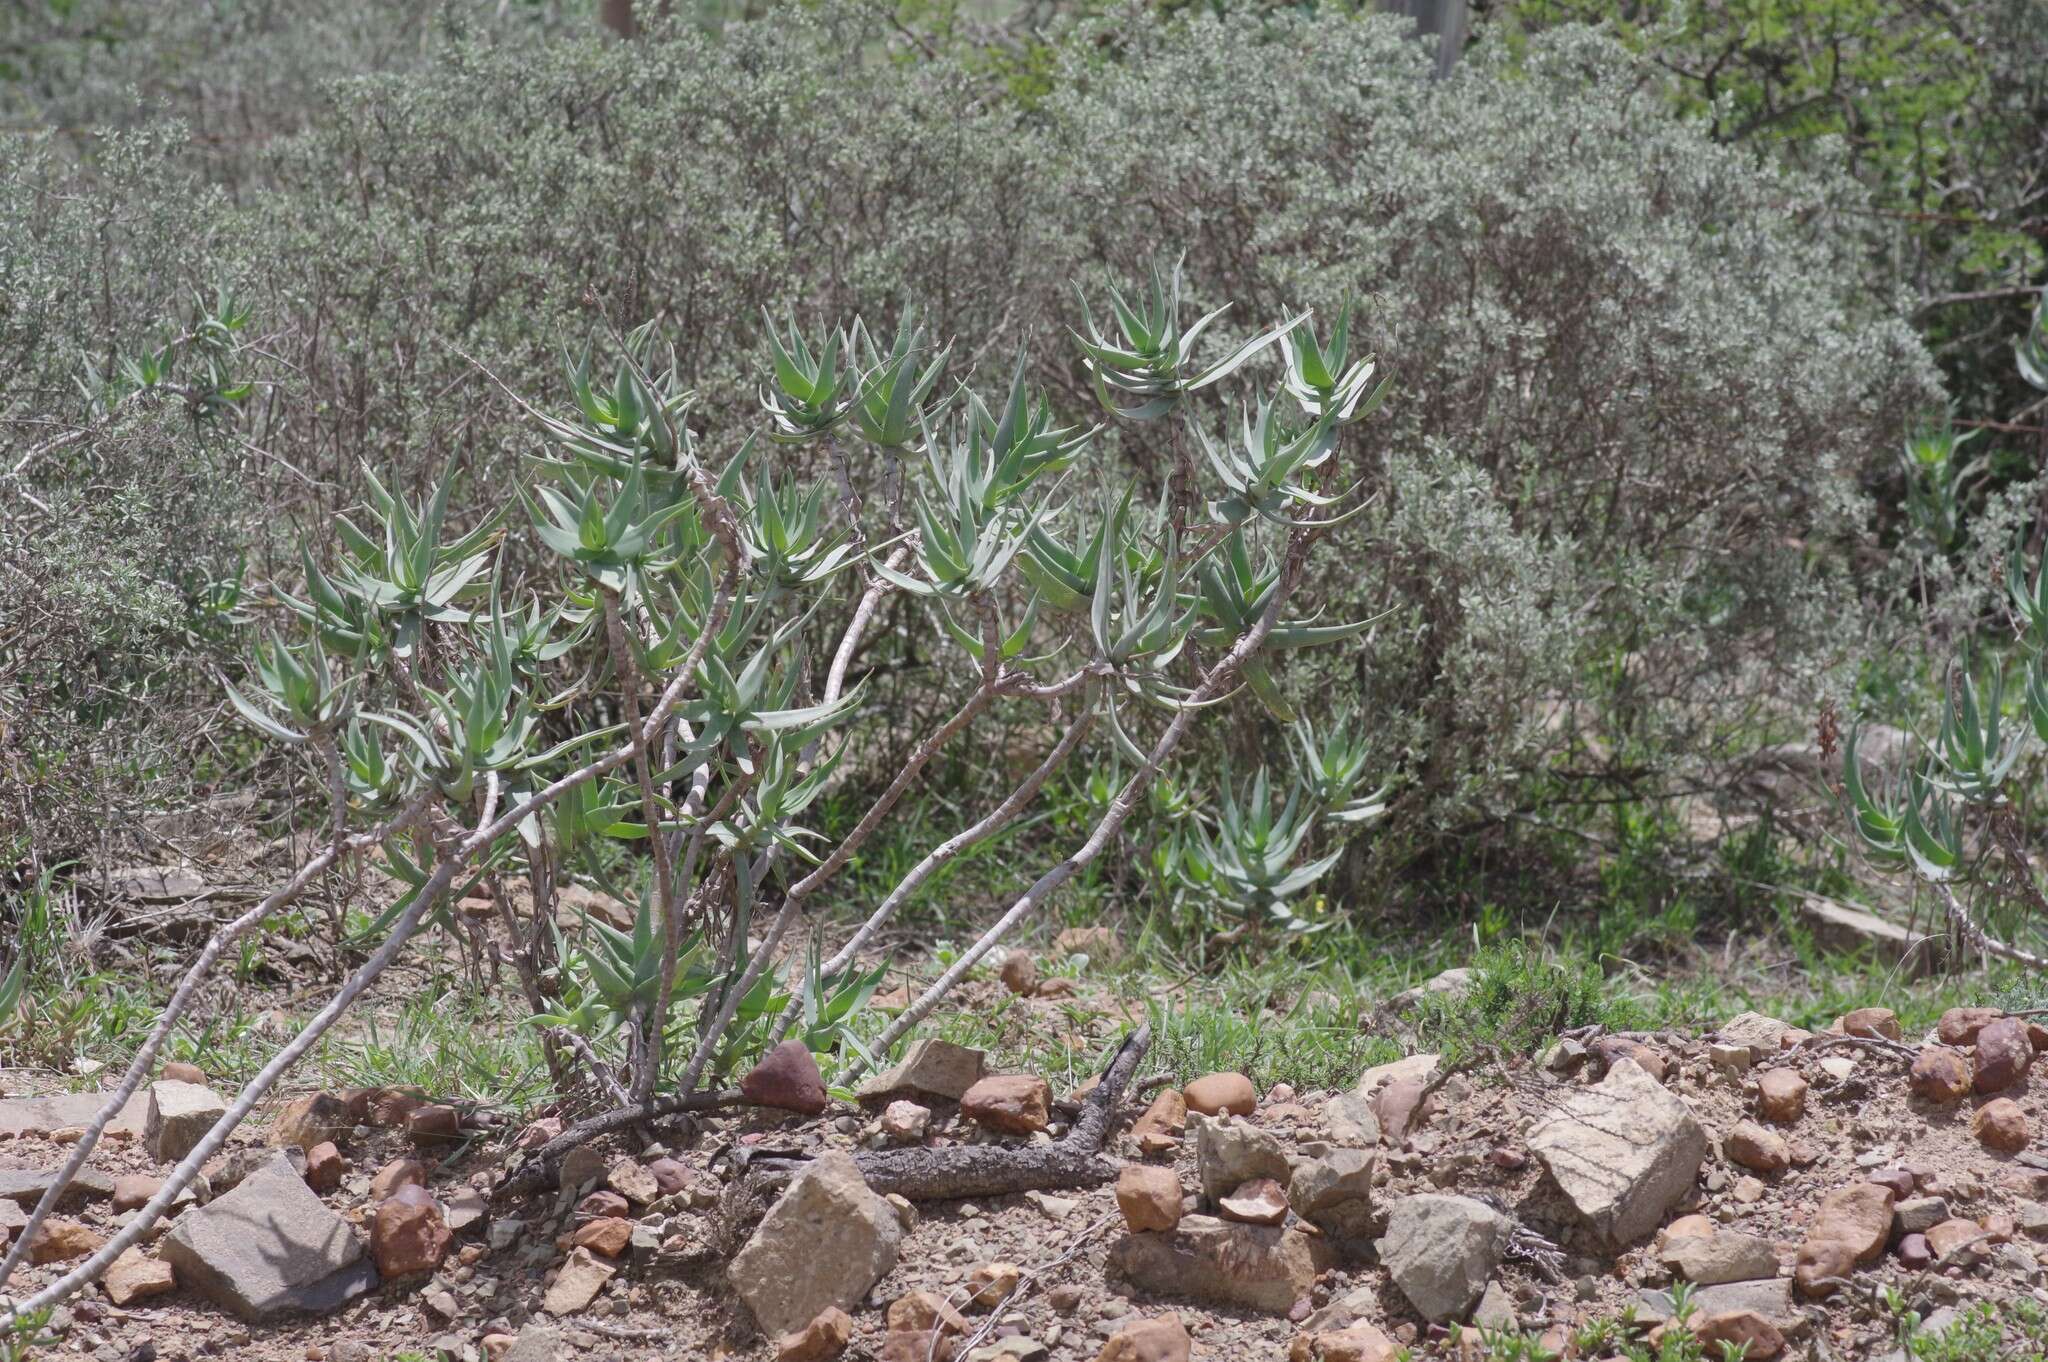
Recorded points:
(1617, 501)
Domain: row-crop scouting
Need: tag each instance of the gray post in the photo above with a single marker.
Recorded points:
(1450, 20)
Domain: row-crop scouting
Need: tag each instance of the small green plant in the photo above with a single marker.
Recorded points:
(23, 1334)
(1519, 1000)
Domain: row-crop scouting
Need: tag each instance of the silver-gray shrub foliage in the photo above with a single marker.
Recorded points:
(1633, 395)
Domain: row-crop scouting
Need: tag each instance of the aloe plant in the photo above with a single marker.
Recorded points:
(661, 704)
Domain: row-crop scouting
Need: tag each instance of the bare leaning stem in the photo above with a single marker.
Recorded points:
(1218, 681)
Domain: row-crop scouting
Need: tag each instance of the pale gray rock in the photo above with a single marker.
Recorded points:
(21, 1114)
(1334, 1192)
(27, 1186)
(1222, 1262)
(1442, 1251)
(179, 1116)
(1230, 1151)
(825, 1242)
(1623, 1152)
(930, 1068)
(1723, 1256)
(268, 1248)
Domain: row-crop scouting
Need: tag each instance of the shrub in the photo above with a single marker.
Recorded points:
(1605, 512)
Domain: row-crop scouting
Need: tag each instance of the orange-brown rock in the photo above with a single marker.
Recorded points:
(1015, 1104)
(2001, 1124)
(407, 1233)
(1149, 1196)
(1215, 1094)
(823, 1339)
(1780, 1095)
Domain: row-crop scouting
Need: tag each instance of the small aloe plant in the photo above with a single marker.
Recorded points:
(1146, 369)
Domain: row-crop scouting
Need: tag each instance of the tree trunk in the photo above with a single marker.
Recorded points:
(618, 17)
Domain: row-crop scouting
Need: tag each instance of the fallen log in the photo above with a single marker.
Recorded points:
(957, 1172)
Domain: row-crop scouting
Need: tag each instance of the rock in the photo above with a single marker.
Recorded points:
(1168, 1115)
(1148, 1196)
(1348, 1119)
(21, 1115)
(180, 1071)
(1358, 1342)
(1421, 1068)
(1608, 1050)
(1860, 1215)
(634, 1182)
(1758, 1338)
(1960, 1025)
(826, 1241)
(1914, 1251)
(579, 1166)
(1849, 1229)
(1230, 1152)
(180, 1114)
(1872, 1023)
(600, 1204)
(1020, 973)
(1014, 1348)
(1101, 945)
(1334, 1192)
(1013, 1104)
(2003, 1055)
(1496, 1308)
(1400, 1106)
(1765, 1036)
(27, 1186)
(1161, 1339)
(1721, 1257)
(394, 1175)
(316, 1118)
(1218, 1094)
(920, 1311)
(1822, 1266)
(1954, 1237)
(990, 1284)
(442, 1306)
(1770, 1299)
(670, 1176)
(1757, 1149)
(904, 1346)
(324, 1167)
(930, 1068)
(1733, 1060)
(132, 1191)
(577, 1284)
(58, 1240)
(224, 1175)
(1780, 1095)
(1223, 1263)
(1447, 987)
(1623, 1152)
(407, 1233)
(1939, 1075)
(537, 1133)
(2001, 1124)
(433, 1123)
(905, 1122)
(1919, 1215)
(1442, 1250)
(1838, 927)
(1262, 1201)
(269, 1247)
(787, 1079)
(136, 1277)
(823, 1339)
(535, 1343)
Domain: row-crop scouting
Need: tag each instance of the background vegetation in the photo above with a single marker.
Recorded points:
(1667, 293)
